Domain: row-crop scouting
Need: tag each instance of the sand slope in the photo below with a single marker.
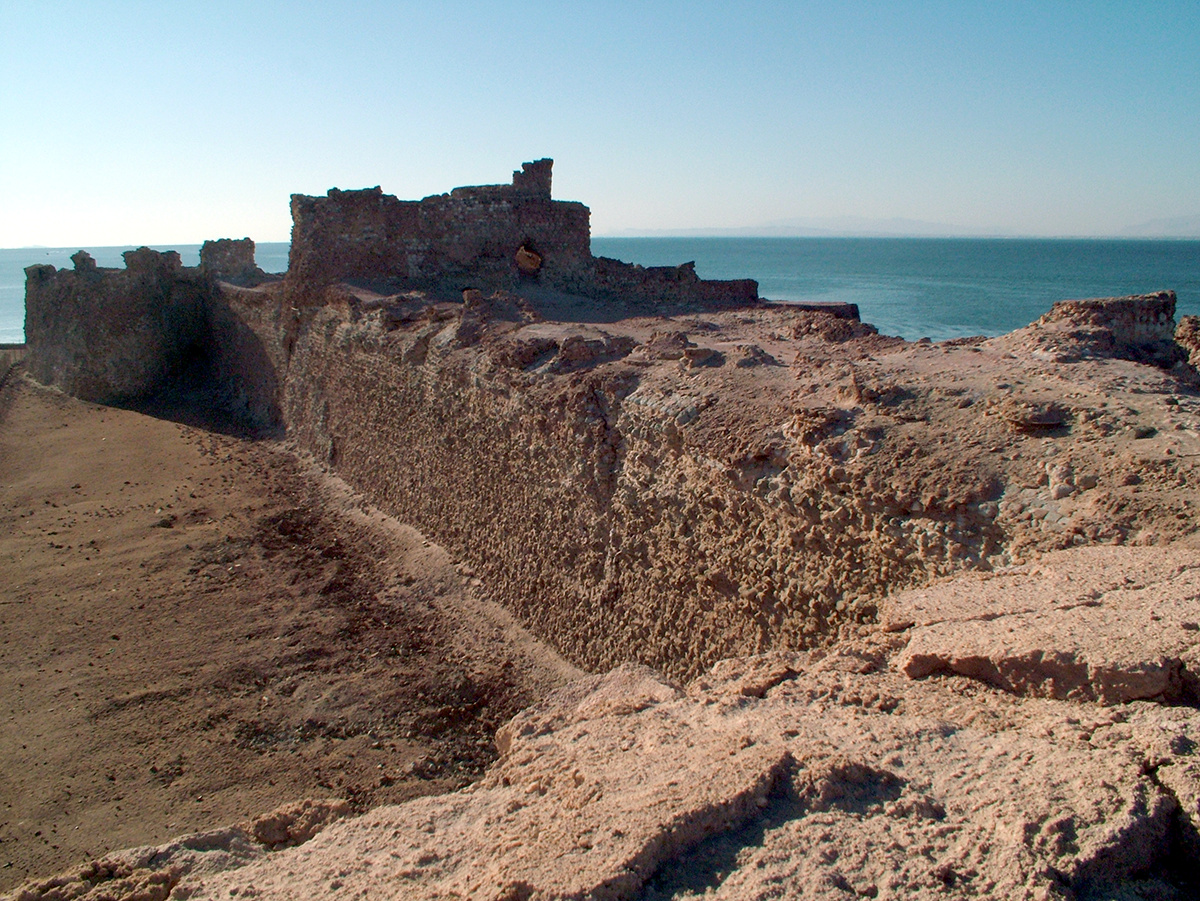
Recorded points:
(196, 628)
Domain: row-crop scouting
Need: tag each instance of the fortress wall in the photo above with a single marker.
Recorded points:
(573, 490)
(467, 238)
(250, 338)
(230, 260)
(470, 238)
(574, 497)
(615, 279)
(576, 489)
(109, 335)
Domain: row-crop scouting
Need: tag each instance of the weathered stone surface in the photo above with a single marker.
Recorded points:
(486, 237)
(1187, 336)
(231, 261)
(112, 334)
(555, 796)
(1105, 624)
(294, 824)
(1139, 328)
(690, 513)
(152, 873)
(1026, 415)
(826, 774)
(617, 280)
(469, 237)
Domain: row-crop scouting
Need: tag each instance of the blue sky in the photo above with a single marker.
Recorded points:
(136, 122)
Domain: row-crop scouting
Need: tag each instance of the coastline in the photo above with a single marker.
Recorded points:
(922, 298)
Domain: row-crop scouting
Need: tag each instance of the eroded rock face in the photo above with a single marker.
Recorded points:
(1187, 336)
(1075, 625)
(633, 491)
(1139, 328)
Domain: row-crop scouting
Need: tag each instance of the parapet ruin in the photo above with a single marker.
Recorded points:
(112, 335)
(488, 237)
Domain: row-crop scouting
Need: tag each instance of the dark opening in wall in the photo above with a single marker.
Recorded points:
(529, 261)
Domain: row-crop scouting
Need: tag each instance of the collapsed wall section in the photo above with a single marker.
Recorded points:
(614, 279)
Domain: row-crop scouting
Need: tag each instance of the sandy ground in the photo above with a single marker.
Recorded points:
(196, 627)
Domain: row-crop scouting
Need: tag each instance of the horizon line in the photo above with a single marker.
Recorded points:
(935, 236)
(711, 233)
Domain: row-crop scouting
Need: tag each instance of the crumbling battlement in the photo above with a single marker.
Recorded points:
(155, 328)
(230, 260)
(113, 335)
(472, 235)
(110, 335)
(488, 237)
(467, 238)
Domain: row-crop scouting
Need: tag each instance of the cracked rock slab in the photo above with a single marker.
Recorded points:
(826, 774)
(1105, 624)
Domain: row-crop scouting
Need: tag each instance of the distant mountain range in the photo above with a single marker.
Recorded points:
(863, 227)
(1179, 227)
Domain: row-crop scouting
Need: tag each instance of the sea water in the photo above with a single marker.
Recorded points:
(934, 287)
(912, 287)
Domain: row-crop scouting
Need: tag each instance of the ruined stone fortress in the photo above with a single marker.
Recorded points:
(820, 528)
(113, 335)
(639, 463)
(489, 237)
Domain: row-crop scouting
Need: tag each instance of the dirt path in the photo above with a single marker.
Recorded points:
(196, 628)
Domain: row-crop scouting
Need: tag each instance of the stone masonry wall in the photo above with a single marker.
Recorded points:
(614, 279)
(230, 260)
(488, 237)
(579, 479)
(110, 335)
(570, 467)
(564, 463)
(467, 238)
(571, 494)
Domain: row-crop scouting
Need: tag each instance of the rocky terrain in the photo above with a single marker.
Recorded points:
(1000, 729)
(866, 618)
(840, 773)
